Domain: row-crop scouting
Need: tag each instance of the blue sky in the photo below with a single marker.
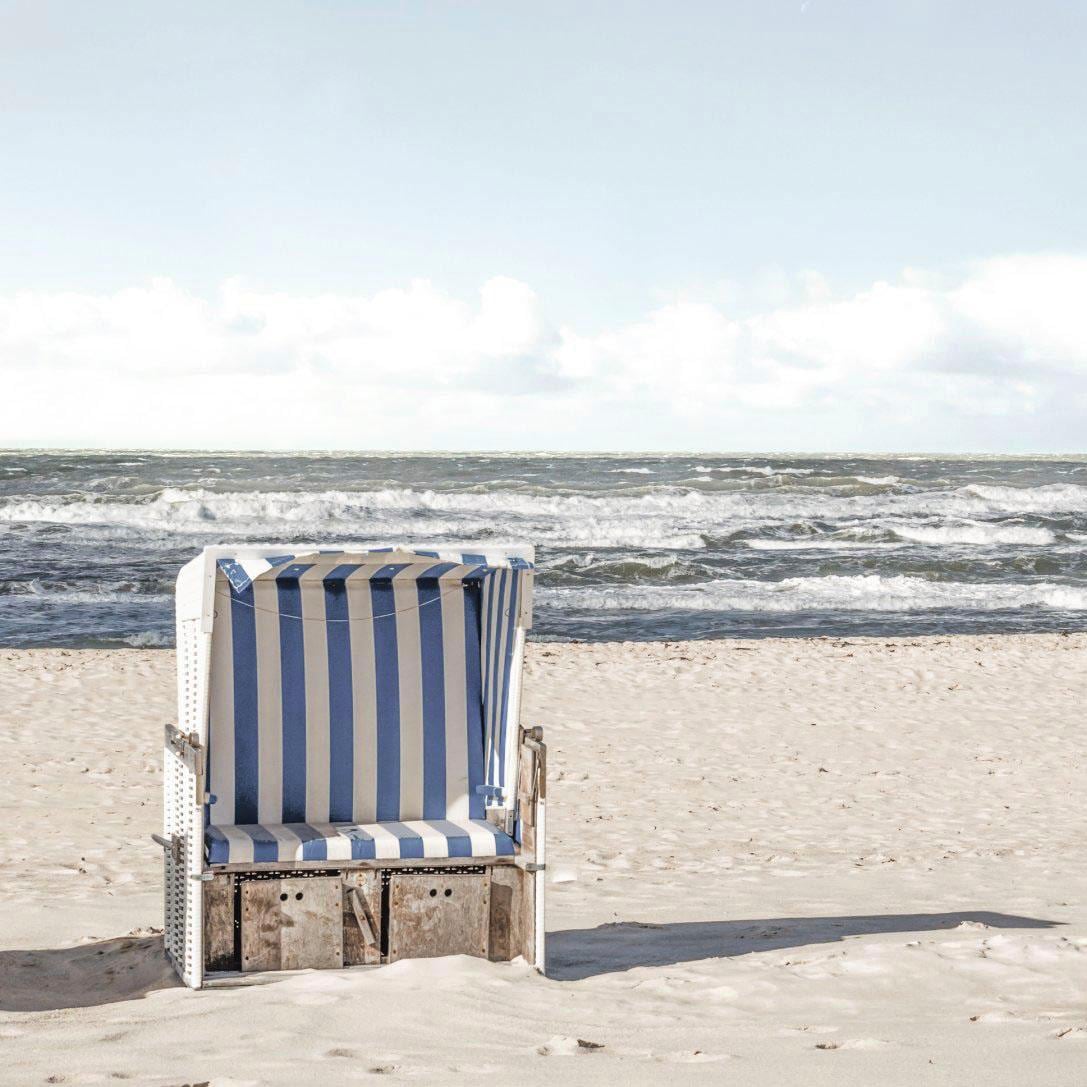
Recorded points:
(692, 188)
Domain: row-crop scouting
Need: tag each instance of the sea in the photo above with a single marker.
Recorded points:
(630, 547)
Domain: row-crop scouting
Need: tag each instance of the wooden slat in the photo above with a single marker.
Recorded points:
(356, 951)
(505, 927)
(433, 914)
(219, 923)
(262, 925)
(527, 920)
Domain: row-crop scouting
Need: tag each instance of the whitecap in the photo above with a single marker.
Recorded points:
(868, 592)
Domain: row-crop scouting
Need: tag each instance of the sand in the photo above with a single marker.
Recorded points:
(775, 862)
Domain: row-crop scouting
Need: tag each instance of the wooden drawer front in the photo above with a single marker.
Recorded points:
(438, 914)
(292, 924)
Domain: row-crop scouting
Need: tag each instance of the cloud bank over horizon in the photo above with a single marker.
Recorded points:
(991, 358)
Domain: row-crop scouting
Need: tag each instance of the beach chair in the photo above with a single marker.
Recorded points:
(348, 782)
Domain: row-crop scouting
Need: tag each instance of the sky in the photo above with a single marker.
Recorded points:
(781, 226)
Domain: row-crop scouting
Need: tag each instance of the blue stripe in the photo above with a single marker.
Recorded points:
(314, 843)
(503, 843)
(387, 682)
(411, 845)
(265, 847)
(459, 843)
(341, 712)
(473, 699)
(292, 661)
(218, 846)
(432, 652)
(243, 626)
(362, 846)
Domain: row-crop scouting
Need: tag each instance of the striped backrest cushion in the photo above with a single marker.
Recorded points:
(350, 688)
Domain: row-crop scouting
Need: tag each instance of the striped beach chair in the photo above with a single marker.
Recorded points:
(348, 782)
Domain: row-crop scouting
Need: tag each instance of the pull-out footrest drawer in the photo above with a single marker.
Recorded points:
(292, 924)
(439, 913)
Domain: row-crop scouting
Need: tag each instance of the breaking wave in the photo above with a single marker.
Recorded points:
(864, 592)
(654, 516)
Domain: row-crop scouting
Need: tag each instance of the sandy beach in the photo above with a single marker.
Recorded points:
(774, 861)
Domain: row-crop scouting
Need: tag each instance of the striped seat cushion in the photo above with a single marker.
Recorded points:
(257, 843)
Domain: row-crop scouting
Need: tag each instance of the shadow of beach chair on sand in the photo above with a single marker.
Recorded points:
(348, 783)
(127, 968)
(575, 954)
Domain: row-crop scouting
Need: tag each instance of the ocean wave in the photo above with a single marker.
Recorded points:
(755, 469)
(148, 639)
(1049, 498)
(823, 543)
(652, 517)
(976, 533)
(66, 592)
(868, 592)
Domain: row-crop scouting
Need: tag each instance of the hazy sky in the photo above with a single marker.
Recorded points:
(797, 225)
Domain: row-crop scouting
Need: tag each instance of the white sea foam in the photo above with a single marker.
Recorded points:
(147, 639)
(654, 517)
(755, 469)
(179, 509)
(900, 593)
(631, 471)
(823, 543)
(116, 592)
(975, 533)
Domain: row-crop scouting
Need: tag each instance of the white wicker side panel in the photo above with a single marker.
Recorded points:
(184, 818)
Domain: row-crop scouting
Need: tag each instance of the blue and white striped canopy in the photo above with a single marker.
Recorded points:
(362, 687)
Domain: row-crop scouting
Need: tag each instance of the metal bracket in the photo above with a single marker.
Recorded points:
(186, 744)
(531, 866)
(172, 845)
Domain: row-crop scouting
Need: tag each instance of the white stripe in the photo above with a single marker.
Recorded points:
(484, 843)
(435, 843)
(364, 697)
(254, 567)
(315, 635)
(339, 845)
(456, 712)
(410, 666)
(241, 845)
(290, 845)
(386, 844)
(221, 724)
(269, 703)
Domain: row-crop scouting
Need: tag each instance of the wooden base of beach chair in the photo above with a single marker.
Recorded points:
(328, 918)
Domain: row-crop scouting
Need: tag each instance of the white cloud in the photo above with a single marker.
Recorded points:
(995, 358)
